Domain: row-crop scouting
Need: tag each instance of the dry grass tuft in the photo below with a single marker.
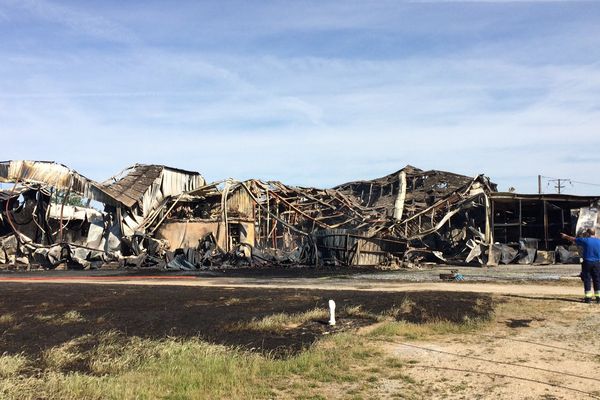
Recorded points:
(66, 355)
(414, 331)
(282, 321)
(7, 319)
(70, 317)
(115, 353)
(139, 368)
(12, 365)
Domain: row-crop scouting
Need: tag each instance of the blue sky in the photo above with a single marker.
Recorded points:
(309, 92)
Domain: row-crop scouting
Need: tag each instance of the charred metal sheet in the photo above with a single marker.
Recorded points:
(169, 218)
(501, 253)
(131, 187)
(545, 257)
(589, 217)
(568, 255)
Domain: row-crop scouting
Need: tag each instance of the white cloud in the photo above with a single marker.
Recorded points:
(73, 18)
(304, 119)
(374, 118)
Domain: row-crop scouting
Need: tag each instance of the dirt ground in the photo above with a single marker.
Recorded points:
(537, 348)
(542, 342)
(504, 279)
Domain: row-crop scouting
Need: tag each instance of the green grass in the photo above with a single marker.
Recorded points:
(178, 369)
(413, 331)
(120, 367)
(281, 321)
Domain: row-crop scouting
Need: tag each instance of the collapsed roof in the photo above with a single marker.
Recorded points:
(158, 215)
(139, 185)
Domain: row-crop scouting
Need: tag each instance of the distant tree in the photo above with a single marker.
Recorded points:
(72, 200)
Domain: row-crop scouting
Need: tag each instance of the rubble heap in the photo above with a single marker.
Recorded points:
(163, 217)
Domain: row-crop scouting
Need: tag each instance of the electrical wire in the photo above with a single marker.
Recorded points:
(592, 395)
(571, 181)
(586, 183)
(497, 362)
(540, 344)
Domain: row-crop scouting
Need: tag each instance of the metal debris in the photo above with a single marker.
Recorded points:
(168, 218)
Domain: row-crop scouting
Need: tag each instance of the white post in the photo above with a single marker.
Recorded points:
(331, 312)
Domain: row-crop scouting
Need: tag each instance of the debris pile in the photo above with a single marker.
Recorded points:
(168, 218)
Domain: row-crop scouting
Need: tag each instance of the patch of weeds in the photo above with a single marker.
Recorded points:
(349, 378)
(70, 317)
(362, 354)
(404, 378)
(281, 321)
(133, 368)
(414, 331)
(44, 317)
(12, 365)
(115, 354)
(233, 301)
(459, 388)
(405, 307)
(311, 397)
(67, 355)
(394, 312)
(359, 312)
(394, 362)
(7, 319)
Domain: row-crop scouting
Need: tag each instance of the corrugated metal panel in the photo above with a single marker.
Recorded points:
(130, 189)
(12, 193)
(45, 172)
(52, 174)
(241, 202)
(72, 212)
(171, 183)
(149, 185)
(175, 182)
(371, 252)
(341, 245)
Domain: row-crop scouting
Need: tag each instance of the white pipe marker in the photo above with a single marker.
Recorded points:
(331, 312)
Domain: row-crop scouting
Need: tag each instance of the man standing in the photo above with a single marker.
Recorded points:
(590, 269)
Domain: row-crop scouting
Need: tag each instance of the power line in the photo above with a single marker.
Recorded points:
(592, 395)
(540, 344)
(586, 183)
(560, 183)
(496, 361)
(578, 182)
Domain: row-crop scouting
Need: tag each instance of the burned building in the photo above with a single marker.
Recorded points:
(83, 233)
(533, 223)
(154, 215)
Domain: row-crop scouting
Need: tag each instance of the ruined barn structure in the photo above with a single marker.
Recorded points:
(159, 216)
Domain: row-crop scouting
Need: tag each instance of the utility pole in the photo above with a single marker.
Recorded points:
(539, 184)
(559, 184)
